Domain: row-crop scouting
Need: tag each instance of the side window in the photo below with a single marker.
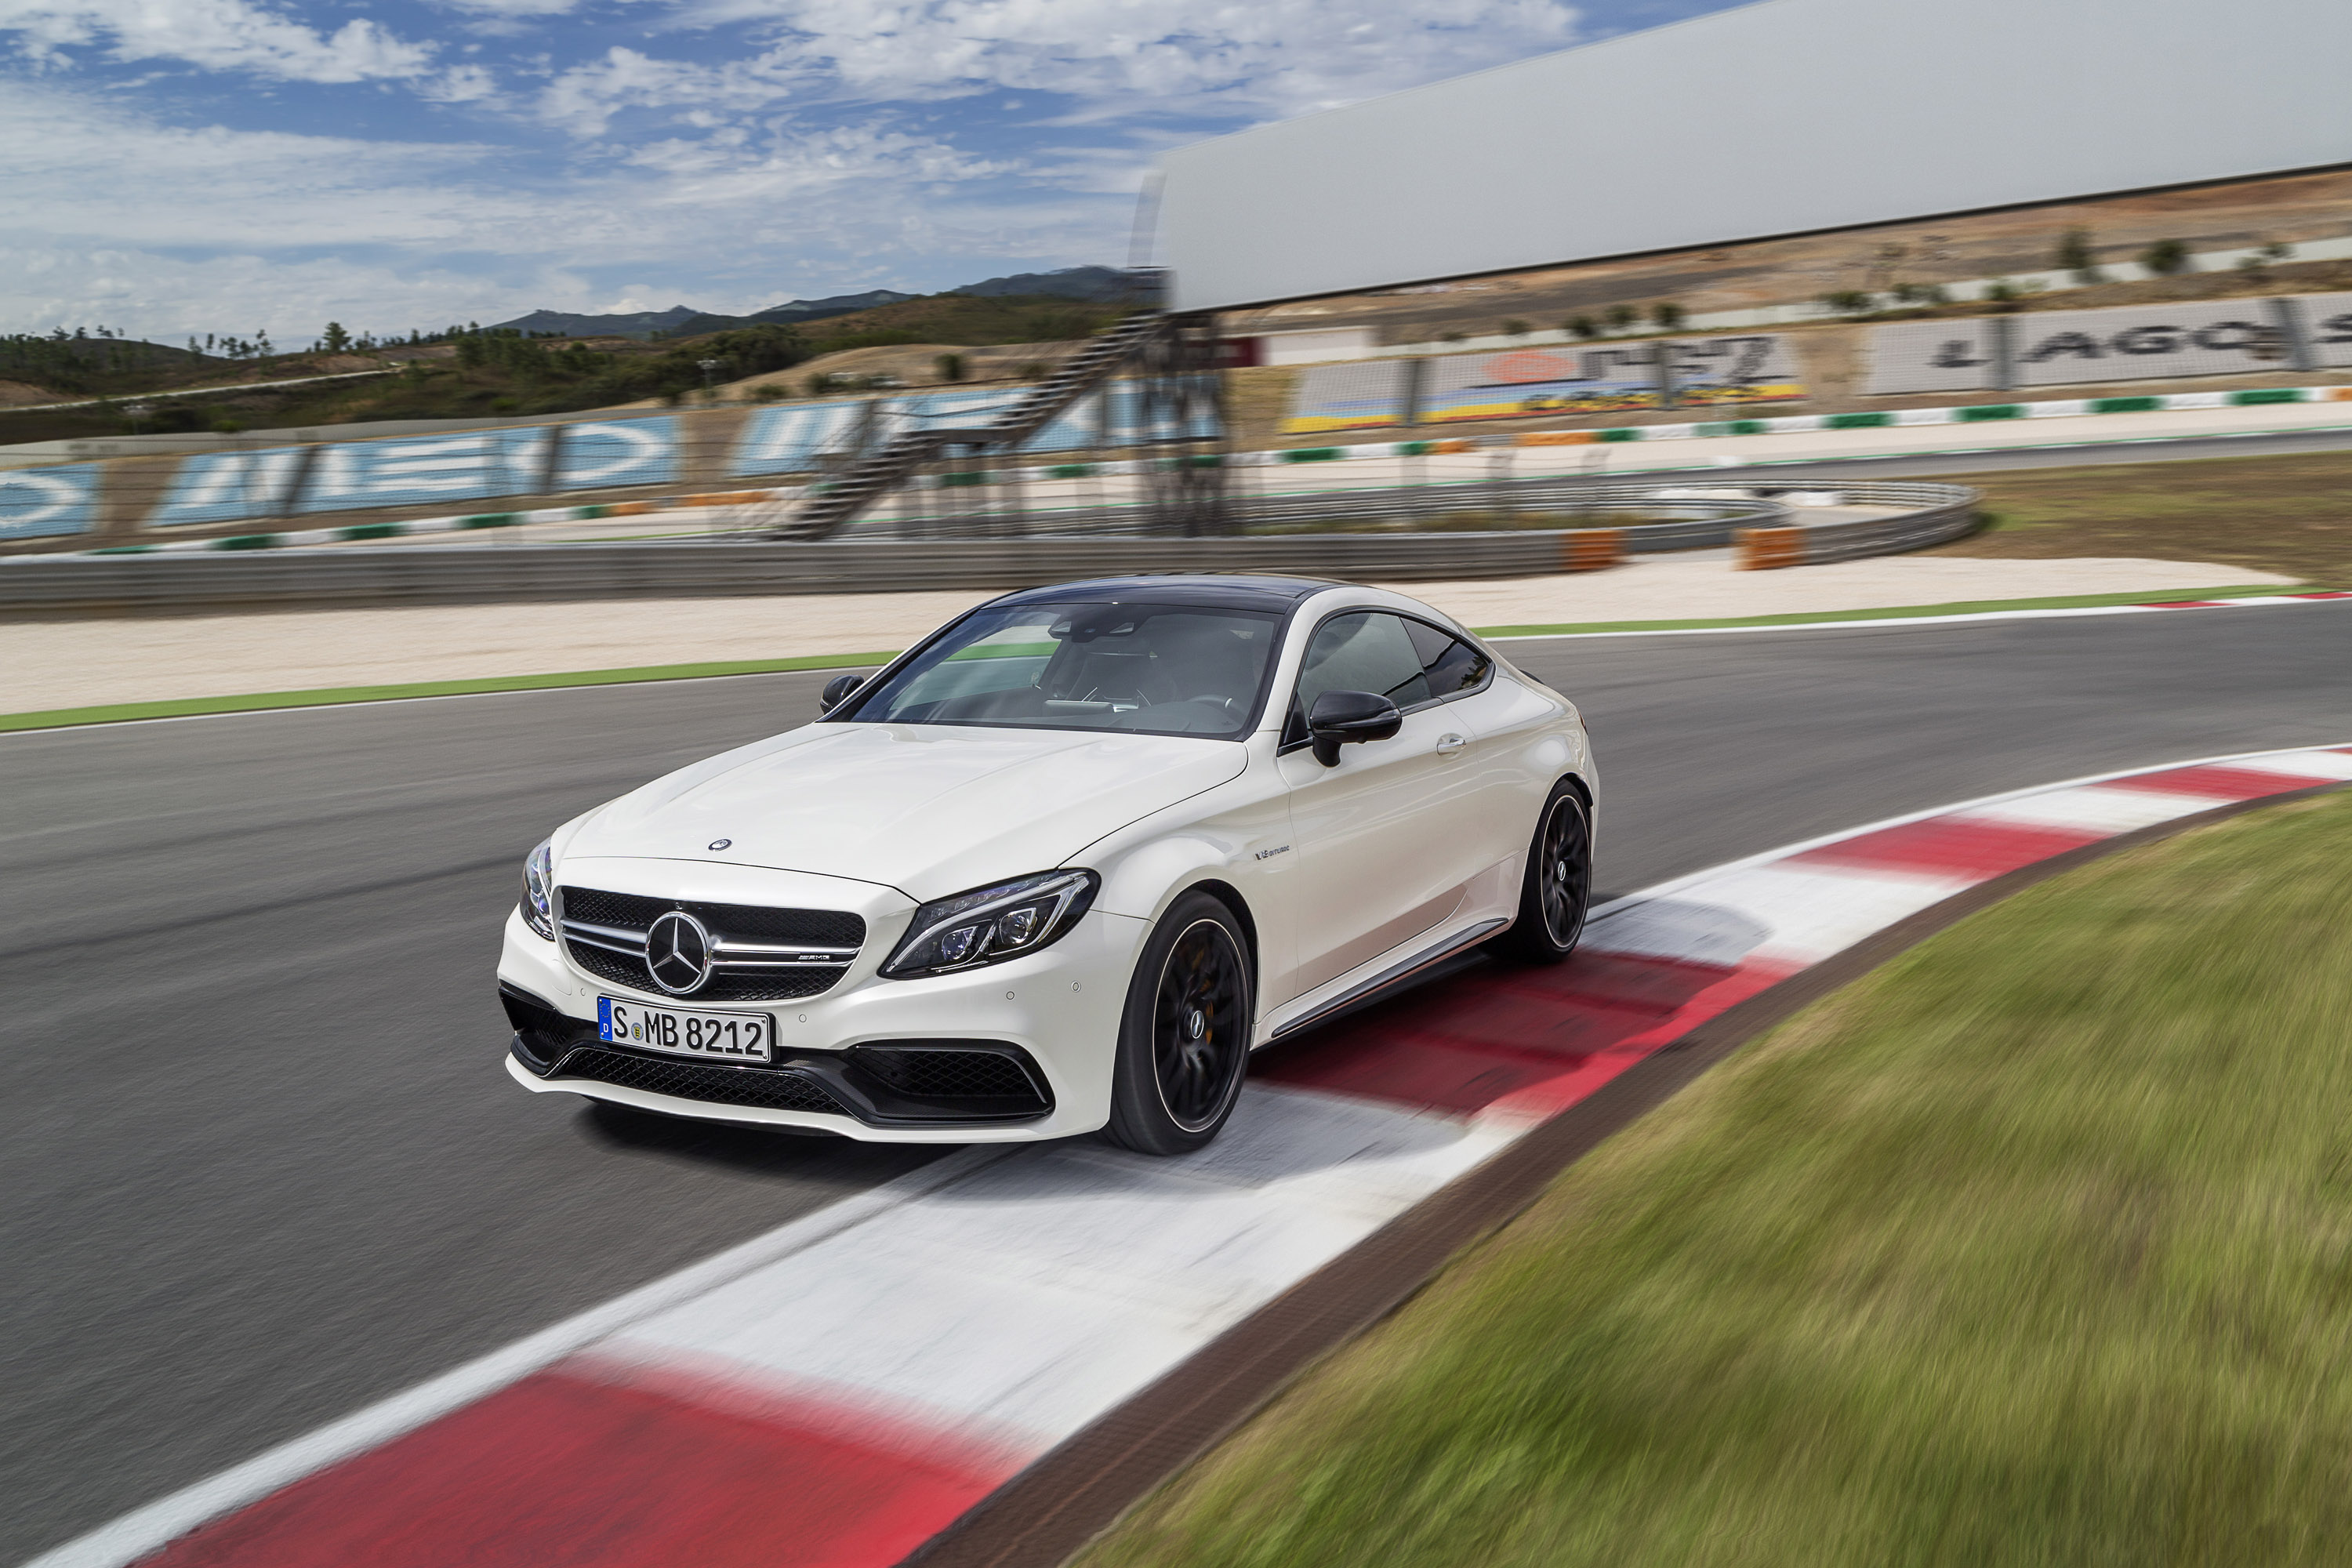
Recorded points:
(1365, 651)
(1448, 665)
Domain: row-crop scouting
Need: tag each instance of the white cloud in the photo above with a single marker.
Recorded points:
(166, 297)
(1121, 59)
(218, 35)
(460, 84)
(132, 222)
(517, 8)
(1144, 57)
(81, 168)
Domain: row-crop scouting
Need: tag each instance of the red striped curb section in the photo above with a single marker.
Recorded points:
(839, 1393)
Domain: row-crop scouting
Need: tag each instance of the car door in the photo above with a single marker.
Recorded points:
(1385, 853)
(1496, 718)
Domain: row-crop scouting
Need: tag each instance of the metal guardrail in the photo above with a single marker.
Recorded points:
(470, 573)
(1931, 515)
(1689, 518)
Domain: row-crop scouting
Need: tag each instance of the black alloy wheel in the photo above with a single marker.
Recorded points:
(1198, 1038)
(1557, 888)
(1184, 1042)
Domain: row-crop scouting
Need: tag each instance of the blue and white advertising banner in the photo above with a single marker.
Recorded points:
(596, 454)
(961, 410)
(1128, 426)
(468, 467)
(789, 440)
(1074, 428)
(35, 503)
(228, 487)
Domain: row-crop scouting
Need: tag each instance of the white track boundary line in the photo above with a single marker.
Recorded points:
(149, 1529)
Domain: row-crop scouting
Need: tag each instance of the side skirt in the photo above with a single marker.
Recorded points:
(1395, 974)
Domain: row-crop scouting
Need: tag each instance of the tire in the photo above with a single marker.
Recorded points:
(1556, 890)
(1184, 1039)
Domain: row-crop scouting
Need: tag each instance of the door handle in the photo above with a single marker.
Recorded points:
(1448, 744)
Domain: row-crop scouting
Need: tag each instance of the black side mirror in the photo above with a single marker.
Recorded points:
(1342, 718)
(838, 688)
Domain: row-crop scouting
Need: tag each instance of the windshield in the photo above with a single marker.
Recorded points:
(1154, 669)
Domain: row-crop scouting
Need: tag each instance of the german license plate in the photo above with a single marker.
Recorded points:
(716, 1037)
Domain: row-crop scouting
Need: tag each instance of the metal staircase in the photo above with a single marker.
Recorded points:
(830, 504)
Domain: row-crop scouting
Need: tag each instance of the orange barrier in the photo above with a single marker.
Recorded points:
(1591, 549)
(1763, 549)
(1556, 438)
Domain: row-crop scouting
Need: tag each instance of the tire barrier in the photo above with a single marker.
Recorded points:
(507, 573)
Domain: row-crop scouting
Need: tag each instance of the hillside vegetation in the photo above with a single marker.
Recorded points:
(488, 372)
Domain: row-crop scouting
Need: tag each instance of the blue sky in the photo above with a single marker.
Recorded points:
(177, 166)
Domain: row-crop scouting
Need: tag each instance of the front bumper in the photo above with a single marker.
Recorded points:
(1059, 1009)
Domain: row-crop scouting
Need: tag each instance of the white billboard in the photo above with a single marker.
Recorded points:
(1782, 118)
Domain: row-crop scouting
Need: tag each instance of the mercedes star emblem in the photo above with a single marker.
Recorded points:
(678, 952)
(721, 843)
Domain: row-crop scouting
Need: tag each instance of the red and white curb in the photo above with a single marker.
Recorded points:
(836, 1393)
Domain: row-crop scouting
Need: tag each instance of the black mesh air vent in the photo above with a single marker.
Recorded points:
(945, 1074)
(766, 1088)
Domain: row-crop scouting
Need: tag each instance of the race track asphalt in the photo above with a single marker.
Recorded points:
(262, 1165)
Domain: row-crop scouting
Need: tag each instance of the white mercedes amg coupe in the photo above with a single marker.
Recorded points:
(1058, 868)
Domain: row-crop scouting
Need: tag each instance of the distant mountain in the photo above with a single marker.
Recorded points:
(836, 305)
(1067, 282)
(643, 324)
(683, 321)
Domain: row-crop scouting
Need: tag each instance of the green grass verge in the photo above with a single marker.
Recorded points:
(119, 713)
(2032, 1247)
(1969, 607)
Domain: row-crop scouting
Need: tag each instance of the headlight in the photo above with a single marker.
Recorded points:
(989, 925)
(539, 890)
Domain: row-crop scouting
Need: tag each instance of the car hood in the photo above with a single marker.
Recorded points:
(928, 809)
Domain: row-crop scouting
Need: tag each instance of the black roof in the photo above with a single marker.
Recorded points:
(1205, 589)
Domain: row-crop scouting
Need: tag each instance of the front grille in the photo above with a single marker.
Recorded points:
(743, 985)
(945, 1074)
(766, 1088)
(750, 922)
(741, 978)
